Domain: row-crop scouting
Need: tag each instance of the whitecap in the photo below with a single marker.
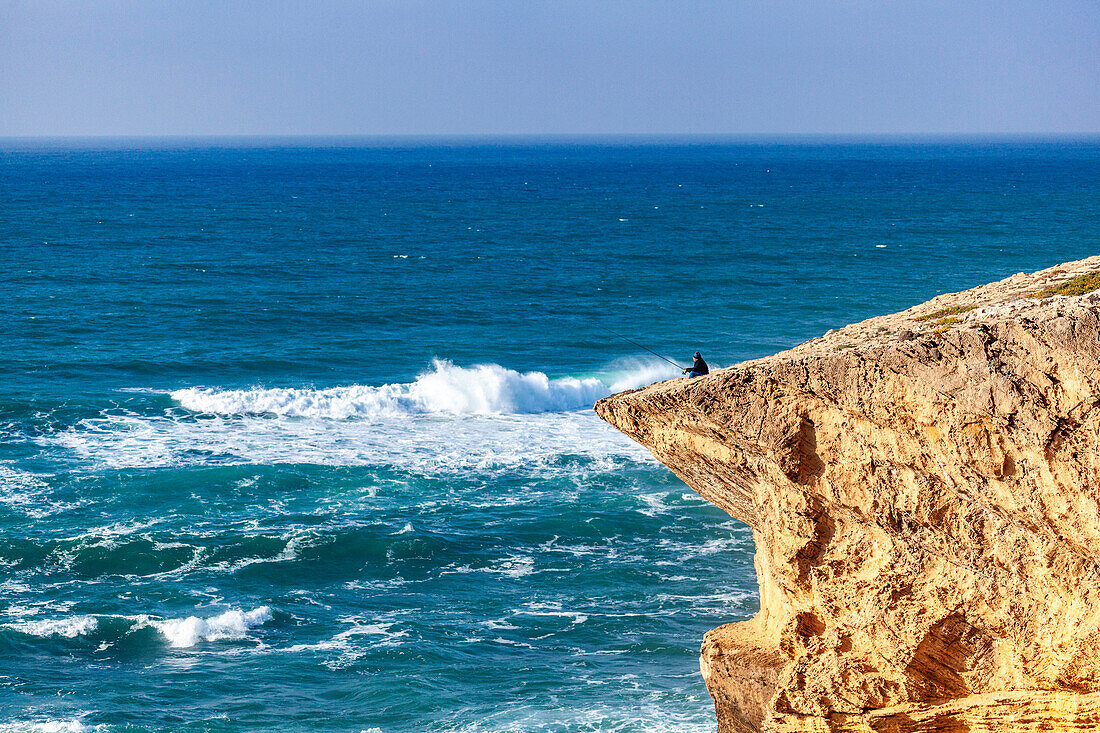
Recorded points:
(446, 389)
(483, 419)
(232, 625)
(69, 628)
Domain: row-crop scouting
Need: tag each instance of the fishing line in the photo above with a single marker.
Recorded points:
(630, 340)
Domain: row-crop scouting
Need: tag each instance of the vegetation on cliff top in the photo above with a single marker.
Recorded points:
(952, 311)
(1074, 286)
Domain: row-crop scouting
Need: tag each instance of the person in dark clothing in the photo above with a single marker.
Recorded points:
(698, 369)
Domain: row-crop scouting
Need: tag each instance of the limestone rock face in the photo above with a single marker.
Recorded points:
(924, 493)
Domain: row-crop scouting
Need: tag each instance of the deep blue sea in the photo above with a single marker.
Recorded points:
(295, 435)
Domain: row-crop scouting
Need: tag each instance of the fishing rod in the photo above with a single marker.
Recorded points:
(630, 340)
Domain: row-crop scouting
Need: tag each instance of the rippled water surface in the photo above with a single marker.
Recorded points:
(297, 435)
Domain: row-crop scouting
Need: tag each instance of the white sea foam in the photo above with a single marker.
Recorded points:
(553, 609)
(450, 419)
(69, 628)
(28, 493)
(13, 482)
(349, 646)
(682, 551)
(114, 530)
(178, 632)
(652, 717)
(232, 624)
(384, 633)
(516, 566)
(48, 726)
(446, 389)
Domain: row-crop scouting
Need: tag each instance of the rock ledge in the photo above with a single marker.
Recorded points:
(924, 493)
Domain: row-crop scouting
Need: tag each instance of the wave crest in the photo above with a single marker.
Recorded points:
(408, 426)
(68, 628)
(445, 389)
(232, 625)
(182, 633)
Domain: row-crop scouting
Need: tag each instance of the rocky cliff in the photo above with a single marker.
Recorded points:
(924, 492)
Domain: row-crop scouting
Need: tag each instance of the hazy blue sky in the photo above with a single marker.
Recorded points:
(483, 67)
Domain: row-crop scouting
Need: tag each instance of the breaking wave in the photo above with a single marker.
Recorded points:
(231, 625)
(68, 628)
(181, 633)
(451, 418)
(445, 389)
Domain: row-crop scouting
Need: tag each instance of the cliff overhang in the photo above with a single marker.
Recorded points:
(924, 492)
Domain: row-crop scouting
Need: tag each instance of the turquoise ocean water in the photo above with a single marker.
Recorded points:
(296, 435)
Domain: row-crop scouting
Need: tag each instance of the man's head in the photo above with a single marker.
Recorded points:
(698, 355)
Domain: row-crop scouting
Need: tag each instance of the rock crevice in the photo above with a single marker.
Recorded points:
(924, 493)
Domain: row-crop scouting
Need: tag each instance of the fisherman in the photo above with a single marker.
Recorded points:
(698, 369)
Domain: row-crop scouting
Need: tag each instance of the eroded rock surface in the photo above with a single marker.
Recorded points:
(924, 493)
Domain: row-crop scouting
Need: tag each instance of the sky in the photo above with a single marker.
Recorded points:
(495, 67)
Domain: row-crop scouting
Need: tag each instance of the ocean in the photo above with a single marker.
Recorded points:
(296, 435)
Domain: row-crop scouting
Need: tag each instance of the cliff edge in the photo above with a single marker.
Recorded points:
(924, 493)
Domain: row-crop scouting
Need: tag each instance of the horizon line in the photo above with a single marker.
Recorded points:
(757, 137)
